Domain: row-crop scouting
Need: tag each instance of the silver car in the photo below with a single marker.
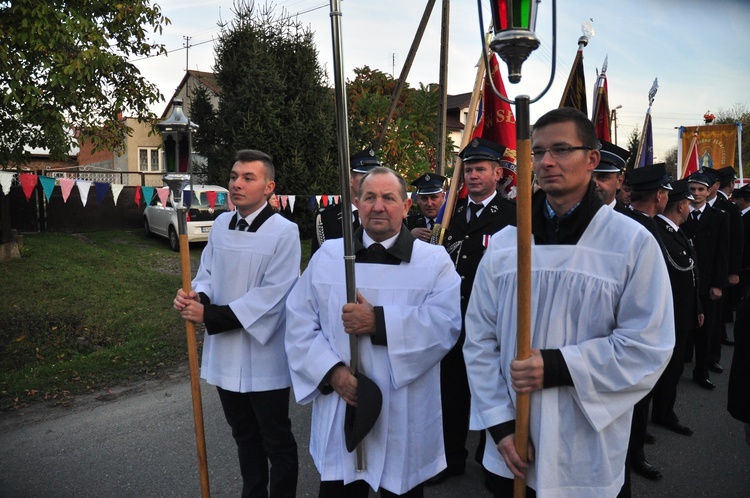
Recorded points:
(206, 204)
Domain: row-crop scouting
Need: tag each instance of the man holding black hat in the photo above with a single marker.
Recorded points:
(407, 317)
(609, 174)
(474, 220)
(683, 277)
(430, 198)
(708, 229)
(328, 219)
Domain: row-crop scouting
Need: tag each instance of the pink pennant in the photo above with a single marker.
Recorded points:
(163, 193)
(284, 200)
(66, 185)
(28, 183)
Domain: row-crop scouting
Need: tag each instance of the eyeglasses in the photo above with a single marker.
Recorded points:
(557, 152)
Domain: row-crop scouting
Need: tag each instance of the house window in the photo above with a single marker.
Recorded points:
(148, 160)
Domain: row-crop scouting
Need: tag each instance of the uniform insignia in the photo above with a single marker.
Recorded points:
(427, 177)
(475, 143)
(372, 153)
(453, 247)
(493, 209)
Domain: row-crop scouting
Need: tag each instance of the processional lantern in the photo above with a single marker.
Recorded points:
(513, 23)
(176, 132)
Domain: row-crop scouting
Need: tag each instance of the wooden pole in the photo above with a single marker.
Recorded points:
(443, 91)
(195, 386)
(523, 220)
(471, 118)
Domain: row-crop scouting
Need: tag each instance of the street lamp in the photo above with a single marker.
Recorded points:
(513, 24)
(176, 132)
(613, 118)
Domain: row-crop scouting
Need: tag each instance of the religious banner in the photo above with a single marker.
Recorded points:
(716, 144)
(574, 94)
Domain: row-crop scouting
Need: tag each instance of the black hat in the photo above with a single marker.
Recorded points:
(742, 193)
(701, 178)
(651, 177)
(680, 190)
(726, 173)
(613, 158)
(480, 149)
(429, 183)
(364, 161)
(359, 420)
(712, 175)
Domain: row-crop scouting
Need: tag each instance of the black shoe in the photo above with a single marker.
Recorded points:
(444, 474)
(645, 469)
(675, 427)
(703, 382)
(716, 368)
(437, 479)
(649, 438)
(727, 342)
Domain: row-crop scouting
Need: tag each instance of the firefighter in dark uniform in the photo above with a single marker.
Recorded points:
(474, 220)
(328, 219)
(430, 198)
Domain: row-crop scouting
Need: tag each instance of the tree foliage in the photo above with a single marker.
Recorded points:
(634, 142)
(410, 142)
(273, 98)
(64, 67)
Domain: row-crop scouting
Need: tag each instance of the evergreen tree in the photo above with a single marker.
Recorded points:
(205, 140)
(274, 98)
(634, 142)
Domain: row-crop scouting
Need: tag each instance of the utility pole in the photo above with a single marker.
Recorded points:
(443, 90)
(187, 66)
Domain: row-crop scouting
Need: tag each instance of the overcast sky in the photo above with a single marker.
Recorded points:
(696, 49)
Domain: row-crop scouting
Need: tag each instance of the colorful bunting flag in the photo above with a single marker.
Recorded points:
(101, 189)
(48, 185)
(66, 185)
(163, 194)
(291, 202)
(83, 188)
(116, 191)
(28, 183)
(148, 194)
(138, 195)
(211, 196)
(6, 180)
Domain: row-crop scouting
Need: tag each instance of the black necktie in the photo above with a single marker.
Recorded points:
(474, 207)
(355, 221)
(242, 225)
(376, 253)
(430, 223)
(695, 214)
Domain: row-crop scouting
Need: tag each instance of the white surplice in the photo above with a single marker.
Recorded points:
(252, 272)
(420, 301)
(606, 304)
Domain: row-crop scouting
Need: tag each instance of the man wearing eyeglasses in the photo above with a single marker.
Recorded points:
(602, 327)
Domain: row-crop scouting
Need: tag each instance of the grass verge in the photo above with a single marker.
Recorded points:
(81, 313)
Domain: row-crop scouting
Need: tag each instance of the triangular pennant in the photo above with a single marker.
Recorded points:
(313, 205)
(148, 194)
(6, 180)
(138, 195)
(101, 189)
(337, 198)
(211, 197)
(28, 183)
(66, 185)
(283, 199)
(317, 200)
(291, 202)
(83, 188)
(48, 185)
(163, 193)
(331, 199)
(116, 191)
(221, 198)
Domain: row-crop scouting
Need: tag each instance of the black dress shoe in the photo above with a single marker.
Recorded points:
(649, 438)
(716, 368)
(645, 469)
(675, 427)
(727, 342)
(704, 383)
(437, 479)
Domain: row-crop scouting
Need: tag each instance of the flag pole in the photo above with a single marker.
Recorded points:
(438, 231)
(693, 141)
(651, 95)
(599, 91)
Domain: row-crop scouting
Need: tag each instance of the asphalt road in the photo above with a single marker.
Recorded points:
(139, 441)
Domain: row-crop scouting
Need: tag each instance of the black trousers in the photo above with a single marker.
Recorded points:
(263, 432)
(665, 390)
(455, 399)
(360, 489)
(702, 337)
